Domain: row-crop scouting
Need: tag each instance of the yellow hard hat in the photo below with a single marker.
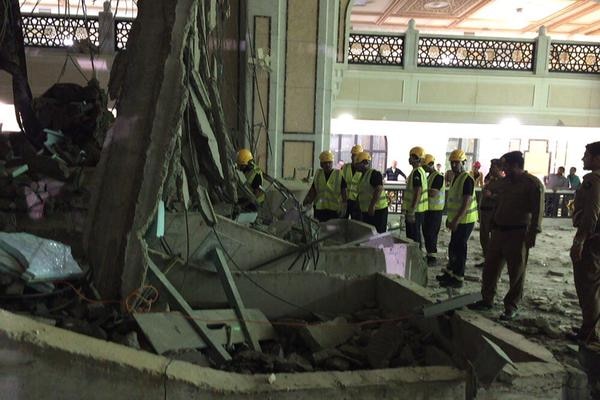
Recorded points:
(458, 155)
(244, 156)
(428, 159)
(417, 151)
(362, 156)
(356, 149)
(326, 156)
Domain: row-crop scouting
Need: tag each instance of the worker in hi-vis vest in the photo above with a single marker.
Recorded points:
(328, 190)
(372, 199)
(414, 202)
(436, 198)
(254, 177)
(461, 208)
(352, 177)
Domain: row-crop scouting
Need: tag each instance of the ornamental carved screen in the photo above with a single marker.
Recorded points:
(475, 53)
(122, 28)
(375, 49)
(57, 31)
(575, 57)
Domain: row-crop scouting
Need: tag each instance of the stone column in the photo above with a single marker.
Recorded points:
(107, 30)
(293, 80)
(411, 47)
(542, 52)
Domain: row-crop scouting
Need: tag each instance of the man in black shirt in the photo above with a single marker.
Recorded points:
(391, 174)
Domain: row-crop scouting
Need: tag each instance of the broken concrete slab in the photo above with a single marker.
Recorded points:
(461, 334)
(172, 332)
(163, 48)
(248, 248)
(334, 359)
(490, 362)
(450, 304)
(435, 356)
(328, 334)
(384, 344)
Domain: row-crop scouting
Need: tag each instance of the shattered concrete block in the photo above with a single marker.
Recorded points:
(355, 352)
(328, 334)
(436, 356)
(83, 327)
(383, 345)
(16, 288)
(405, 358)
(301, 363)
(334, 359)
(194, 357)
(96, 311)
(130, 339)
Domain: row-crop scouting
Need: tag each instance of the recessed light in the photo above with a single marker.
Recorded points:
(436, 5)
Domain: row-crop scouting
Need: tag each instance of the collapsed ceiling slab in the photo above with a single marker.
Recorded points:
(157, 138)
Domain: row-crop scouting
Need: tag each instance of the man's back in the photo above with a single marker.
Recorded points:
(519, 201)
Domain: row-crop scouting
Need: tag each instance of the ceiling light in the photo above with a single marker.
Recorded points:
(510, 121)
(436, 5)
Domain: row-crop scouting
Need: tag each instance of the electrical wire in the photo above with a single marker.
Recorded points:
(246, 275)
(255, 83)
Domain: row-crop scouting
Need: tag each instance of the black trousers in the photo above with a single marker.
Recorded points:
(353, 210)
(457, 249)
(379, 220)
(413, 229)
(325, 215)
(431, 229)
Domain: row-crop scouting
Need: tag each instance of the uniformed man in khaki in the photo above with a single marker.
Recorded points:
(517, 221)
(585, 251)
(487, 205)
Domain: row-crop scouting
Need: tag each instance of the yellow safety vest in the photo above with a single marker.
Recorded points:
(436, 203)
(352, 181)
(455, 199)
(329, 191)
(365, 193)
(423, 203)
(250, 175)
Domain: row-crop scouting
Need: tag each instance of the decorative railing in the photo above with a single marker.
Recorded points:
(122, 28)
(555, 203)
(57, 31)
(475, 53)
(375, 49)
(574, 57)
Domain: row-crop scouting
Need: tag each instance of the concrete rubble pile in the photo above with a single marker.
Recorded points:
(45, 171)
(165, 269)
(363, 340)
(52, 181)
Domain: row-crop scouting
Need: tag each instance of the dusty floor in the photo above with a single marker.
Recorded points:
(550, 307)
